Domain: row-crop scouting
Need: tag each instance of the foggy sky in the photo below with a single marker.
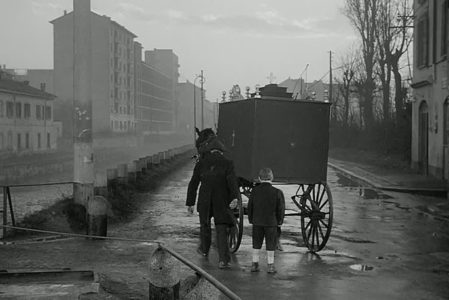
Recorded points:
(233, 41)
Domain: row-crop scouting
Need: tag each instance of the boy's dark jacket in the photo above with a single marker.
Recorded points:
(218, 187)
(266, 205)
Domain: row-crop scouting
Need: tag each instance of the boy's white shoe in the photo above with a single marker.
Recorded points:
(271, 269)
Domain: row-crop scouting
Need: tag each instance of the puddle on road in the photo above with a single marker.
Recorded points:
(365, 193)
(345, 181)
(361, 268)
(369, 194)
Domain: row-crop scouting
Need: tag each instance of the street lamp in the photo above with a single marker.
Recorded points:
(194, 103)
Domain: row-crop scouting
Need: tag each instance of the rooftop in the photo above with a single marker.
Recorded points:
(22, 88)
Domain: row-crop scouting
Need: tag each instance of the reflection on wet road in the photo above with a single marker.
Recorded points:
(382, 246)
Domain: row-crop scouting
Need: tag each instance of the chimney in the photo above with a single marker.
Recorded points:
(43, 86)
(65, 12)
(26, 82)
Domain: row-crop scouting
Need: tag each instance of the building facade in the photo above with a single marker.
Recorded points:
(26, 118)
(430, 104)
(113, 72)
(156, 101)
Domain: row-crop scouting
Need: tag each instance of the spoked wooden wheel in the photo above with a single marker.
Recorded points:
(236, 231)
(315, 201)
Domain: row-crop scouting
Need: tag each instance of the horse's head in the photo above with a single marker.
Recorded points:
(207, 140)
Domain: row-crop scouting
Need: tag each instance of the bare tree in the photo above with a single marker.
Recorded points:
(394, 38)
(346, 81)
(363, 16)
(384, 39)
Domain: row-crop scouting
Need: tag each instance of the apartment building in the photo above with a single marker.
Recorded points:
(26, 118)
(113, 72)
(156, 100)
(430, 104)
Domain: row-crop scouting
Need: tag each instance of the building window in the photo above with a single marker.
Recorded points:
(10, 109)
(26, 110)
(422, 45)
(1, 108)
(48, 140)
(39, 140)
(18, 110)
(2, 141)
(19, 141)
(38, 112)
(47, 112)
(27, 140)
(9, 140)
(444, 29)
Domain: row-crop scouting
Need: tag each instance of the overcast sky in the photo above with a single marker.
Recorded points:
(233, 41)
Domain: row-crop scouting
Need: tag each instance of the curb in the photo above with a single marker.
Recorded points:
(438, 192)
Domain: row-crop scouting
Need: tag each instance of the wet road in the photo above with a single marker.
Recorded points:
(382, 246)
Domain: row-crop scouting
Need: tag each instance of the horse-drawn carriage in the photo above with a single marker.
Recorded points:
(291, 137)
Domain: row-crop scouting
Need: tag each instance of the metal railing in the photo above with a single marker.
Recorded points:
(221, 287)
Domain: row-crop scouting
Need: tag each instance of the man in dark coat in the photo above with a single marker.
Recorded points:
(218, 192)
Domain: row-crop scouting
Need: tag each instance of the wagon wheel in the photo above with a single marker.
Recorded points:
(316, 214)
(236, 232)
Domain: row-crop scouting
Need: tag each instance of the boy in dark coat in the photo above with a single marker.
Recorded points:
(266, 209)
(218, 192)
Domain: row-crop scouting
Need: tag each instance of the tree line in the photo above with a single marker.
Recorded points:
(370, 107)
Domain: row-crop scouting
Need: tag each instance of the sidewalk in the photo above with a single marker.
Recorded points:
(391, 180)
(397, 180)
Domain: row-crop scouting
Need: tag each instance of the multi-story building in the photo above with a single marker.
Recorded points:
(26, 118)
(207, 115)
(113, 72)
(156, 101)
(430, 104)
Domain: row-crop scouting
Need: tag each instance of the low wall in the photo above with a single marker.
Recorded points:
(58, 165)
(26, 200)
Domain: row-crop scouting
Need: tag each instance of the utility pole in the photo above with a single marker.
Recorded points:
(202, 101)
(83, 177)
(330, 77)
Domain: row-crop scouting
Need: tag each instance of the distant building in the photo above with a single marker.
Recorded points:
(113, 73)
(157, 77)
(128, 94)
(26, 118)
(430, 104)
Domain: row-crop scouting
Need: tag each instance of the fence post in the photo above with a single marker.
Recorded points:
(164, 276)
(122, 173)
(132, 172)
(5, 210)
(97, 216)
(111, 175)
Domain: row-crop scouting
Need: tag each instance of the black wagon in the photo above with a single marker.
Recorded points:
(292, 138)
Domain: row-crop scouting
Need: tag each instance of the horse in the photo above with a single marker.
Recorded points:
(206, 138)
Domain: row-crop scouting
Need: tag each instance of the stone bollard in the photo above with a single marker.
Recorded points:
(100, 185)
(203, 290)
(111, 177)
(142, 165)
(97, 216)
(148, 162)
(122, 173)
(155, 159)
(164, 275)
(132, 172)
